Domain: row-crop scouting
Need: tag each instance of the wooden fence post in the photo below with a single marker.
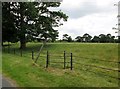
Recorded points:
(47, 60)
(64, 60)
(71, 62)
(32, 55)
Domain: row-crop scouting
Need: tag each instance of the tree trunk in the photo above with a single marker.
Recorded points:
(2, 43)
(22, 42)
(22, 32)
(22, 45)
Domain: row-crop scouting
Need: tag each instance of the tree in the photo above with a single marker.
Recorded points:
(8, 27)
(95, 39)
(15, 21)
(79, 39)
(48, 19)
(113, 39)
(109, 38)
(34, 19)
(87, 37)
(118, 39)
(25, 12)
(54, 35)
(65, 37)
(70, 39)
(102, 38)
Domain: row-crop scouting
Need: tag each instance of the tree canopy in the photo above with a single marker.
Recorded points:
(33, 19)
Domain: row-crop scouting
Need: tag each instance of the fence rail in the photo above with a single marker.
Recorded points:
(64, 59)
(98, 67)
(97, 59)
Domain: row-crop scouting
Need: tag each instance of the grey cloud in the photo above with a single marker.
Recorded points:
(86, 9)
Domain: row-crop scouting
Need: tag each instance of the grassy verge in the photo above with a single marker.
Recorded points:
(22, 70)
(0, 61)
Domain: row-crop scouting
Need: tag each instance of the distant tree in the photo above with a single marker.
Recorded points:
(65, 37)
(79, 39)
(106, 38)
(110, 38)
(113, 39)
(95, 39)
(102, 38)
(118, 39)
(69, 39)
(87, 37)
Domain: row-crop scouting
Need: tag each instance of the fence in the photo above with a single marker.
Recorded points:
(47, 57)
(63, 61)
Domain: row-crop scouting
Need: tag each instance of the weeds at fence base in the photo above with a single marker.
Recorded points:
(35, 64)
(59, 72)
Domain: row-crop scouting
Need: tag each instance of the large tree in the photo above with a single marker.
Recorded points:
(8, 26)
(25, 13)
(48, 19)
(15, 21)
(34, 19)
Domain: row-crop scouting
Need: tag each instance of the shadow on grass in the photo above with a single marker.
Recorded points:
(29, 48)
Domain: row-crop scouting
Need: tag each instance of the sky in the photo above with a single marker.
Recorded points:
(88, 16)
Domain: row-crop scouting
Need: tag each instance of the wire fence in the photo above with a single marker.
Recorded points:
(65, 60)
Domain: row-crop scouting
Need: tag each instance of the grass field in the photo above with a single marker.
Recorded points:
(22, 70)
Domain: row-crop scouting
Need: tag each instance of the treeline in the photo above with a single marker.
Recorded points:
(102, 38)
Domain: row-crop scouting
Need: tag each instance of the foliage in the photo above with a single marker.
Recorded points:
(8, 27)
(102, 38)
(87, 37)
(31, 19)
(67, 38)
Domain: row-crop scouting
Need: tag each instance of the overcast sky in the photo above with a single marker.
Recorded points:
(88, 16)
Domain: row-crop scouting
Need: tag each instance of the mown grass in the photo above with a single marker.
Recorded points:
(22, 70)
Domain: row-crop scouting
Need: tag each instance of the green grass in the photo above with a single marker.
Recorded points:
(0, 61)
(22, 70)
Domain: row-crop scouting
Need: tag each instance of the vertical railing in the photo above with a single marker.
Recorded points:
(32, 55)
(47, 60)
(64, 60)
(71, 62)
